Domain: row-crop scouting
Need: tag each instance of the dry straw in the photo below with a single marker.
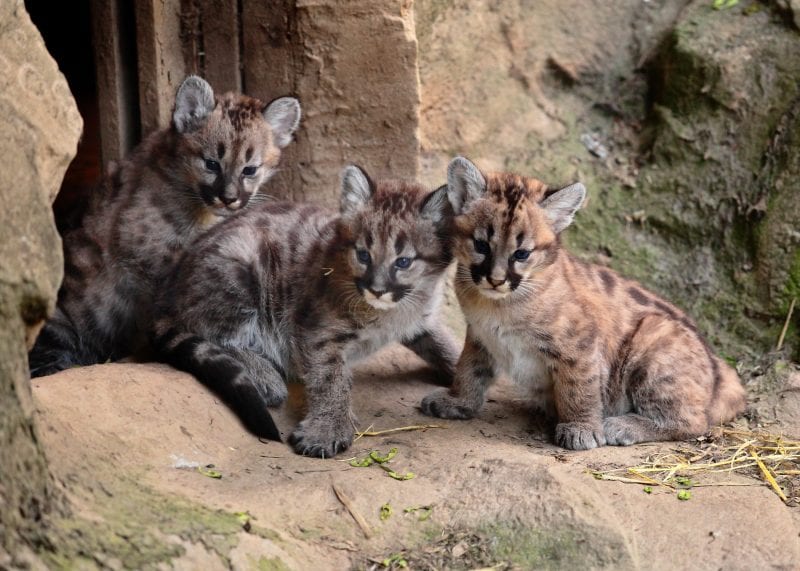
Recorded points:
(768, 457)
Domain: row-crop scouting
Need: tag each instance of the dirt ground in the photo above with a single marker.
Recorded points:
(131, 445)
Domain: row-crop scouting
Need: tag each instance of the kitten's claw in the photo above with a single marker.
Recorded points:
(579, 435)
(442, 404)
(321, 438)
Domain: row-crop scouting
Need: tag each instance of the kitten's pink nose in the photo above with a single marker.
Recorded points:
(495, 283)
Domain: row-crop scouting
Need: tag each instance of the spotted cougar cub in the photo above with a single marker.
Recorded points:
(293, 290)
(614, 362)
(180, 181)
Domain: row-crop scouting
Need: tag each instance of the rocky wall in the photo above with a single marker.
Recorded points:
(40, 126)
(678, 118)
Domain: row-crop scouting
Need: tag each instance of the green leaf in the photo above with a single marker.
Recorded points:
(397, 561)
(362, 462)
(208, 472)
(724, 4)
(386, 511)
(684, 495)
(375, 455)
(648, 489)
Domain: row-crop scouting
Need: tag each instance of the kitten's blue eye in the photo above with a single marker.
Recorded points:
(402, 263)
(213, 165)
(249, 171)
(482, 246)
(521, 255)
(363, 256)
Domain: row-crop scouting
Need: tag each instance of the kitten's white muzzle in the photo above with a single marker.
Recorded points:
(383, 302)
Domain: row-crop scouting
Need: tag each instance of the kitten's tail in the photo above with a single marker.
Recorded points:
(219, 370)
(730, 399)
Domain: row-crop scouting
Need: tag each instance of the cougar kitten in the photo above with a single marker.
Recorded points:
(612, 361)
(293, 290)
(211, 162)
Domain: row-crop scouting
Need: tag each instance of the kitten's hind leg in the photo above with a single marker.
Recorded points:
(56, 348)
(437, 347)
(247, 382)
(669, 378)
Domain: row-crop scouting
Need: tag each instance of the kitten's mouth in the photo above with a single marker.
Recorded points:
(492, 293)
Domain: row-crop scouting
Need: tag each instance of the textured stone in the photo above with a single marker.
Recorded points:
(40, 127)
(696, 108)
(353, 65)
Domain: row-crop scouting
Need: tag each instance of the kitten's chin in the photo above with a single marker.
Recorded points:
(381, 304)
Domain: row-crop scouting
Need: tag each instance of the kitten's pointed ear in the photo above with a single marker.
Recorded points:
(436, 207)
(561, 206)
(193, 103)
(283, 116)
(357, 189)
(465, 183)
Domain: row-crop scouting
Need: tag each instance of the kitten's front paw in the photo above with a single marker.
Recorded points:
(442, 404)
(322, 437)
(579, 435)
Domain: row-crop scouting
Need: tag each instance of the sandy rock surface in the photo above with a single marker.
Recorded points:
(126, 440)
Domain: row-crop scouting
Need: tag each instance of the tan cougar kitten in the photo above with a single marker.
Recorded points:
(294, 290)
(210, 163)
(613, 361)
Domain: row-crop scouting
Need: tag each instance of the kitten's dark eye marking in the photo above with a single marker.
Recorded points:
(363, 256)
(402, 262)
(521, 255)
(482, 246)
(213, 165)
(249, 171)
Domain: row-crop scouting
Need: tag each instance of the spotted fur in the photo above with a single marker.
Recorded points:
(211, 162)
(294, 290)
(611, 361)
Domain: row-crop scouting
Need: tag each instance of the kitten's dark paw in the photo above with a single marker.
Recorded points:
(322, 438)
(442, 404)
(619, 431)
(579, 435)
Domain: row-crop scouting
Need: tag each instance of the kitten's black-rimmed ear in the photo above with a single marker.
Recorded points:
(193, 102)
(283, 116)
(465, 183)
(561, 206)
(357, 189)
(436, 207)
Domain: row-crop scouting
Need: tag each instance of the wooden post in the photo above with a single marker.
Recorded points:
(161, 62)
(116, 79)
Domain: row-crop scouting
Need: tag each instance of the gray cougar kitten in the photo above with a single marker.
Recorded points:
(179, 182)
(294, 290)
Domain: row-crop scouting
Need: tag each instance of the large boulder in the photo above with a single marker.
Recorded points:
(40, 127)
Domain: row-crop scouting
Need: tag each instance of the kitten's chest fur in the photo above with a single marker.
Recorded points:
(512, 346)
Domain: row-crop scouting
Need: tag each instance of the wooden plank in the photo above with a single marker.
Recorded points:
(116, 85)
(221, 66)
(271, 47)
(161, 62)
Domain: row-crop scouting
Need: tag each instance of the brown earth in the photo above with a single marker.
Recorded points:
(126, 441)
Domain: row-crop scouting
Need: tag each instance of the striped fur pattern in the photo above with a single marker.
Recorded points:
(211, 162)
(296, 291)
(612, 362)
